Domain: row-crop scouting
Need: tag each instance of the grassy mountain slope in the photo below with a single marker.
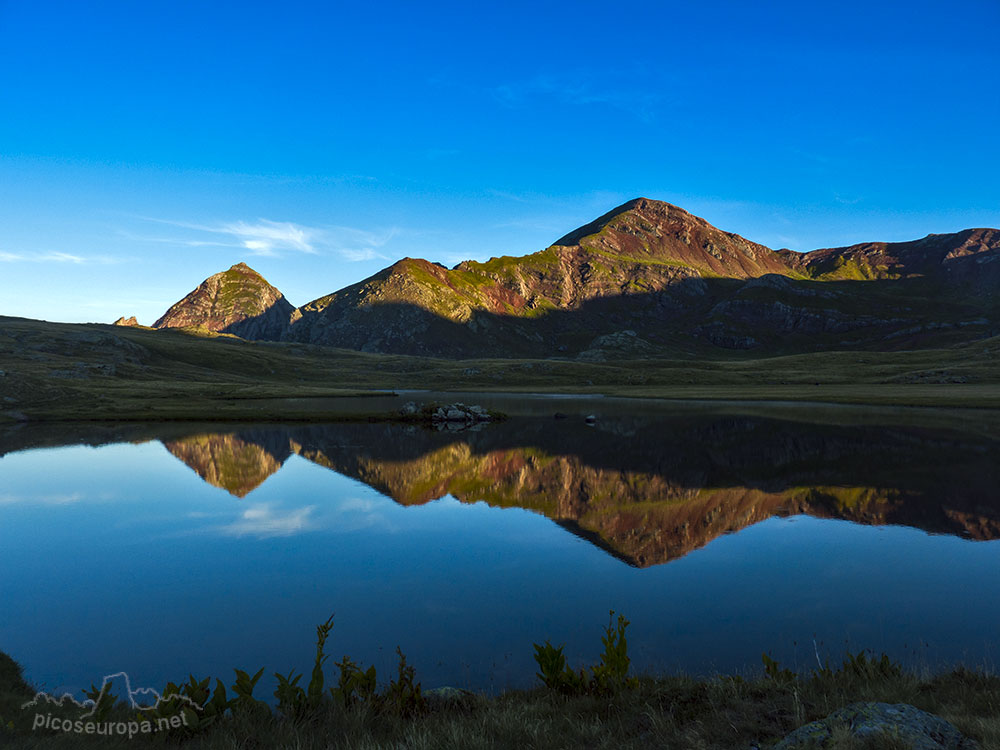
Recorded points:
(646, 280)
(650, 279)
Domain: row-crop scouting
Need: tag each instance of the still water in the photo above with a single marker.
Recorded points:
(175, 549)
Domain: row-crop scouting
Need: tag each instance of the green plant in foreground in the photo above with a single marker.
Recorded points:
(610, 673)
(403, 695)
(244, 700)
(354, 684)
(555, 673)
(315, 694)
(291, 698)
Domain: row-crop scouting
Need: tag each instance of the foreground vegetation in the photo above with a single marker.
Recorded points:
(597, 707)
(54, 371)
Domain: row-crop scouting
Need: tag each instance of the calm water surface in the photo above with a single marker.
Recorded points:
(175, 549)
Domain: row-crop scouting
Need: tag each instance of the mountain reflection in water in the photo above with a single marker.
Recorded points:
(644, 490)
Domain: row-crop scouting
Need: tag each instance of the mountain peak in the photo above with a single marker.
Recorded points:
(238, 301)
(649, 231)
(242, 267)
(639, 208)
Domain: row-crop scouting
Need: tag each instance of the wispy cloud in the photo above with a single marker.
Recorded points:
(264, 237)
(270, 237)
(53, 499)
(356, 256)
(57, 257)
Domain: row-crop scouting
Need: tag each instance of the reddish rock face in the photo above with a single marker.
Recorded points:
(238, 301)
(644, 230)
(129, 322)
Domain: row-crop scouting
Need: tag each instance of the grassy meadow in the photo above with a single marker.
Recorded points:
(55, 371)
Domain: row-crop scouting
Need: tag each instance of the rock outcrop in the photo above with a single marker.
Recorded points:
(901, 724)
(454, 417)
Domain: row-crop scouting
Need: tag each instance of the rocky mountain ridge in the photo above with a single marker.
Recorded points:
(646, 279)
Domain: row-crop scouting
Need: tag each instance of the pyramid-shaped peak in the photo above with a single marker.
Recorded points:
(243, 268)
(238, 300)
(644, 208)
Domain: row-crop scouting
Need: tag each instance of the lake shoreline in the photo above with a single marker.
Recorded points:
(314, 407)
(65, 372)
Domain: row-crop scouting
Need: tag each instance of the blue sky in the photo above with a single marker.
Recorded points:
(145, 146)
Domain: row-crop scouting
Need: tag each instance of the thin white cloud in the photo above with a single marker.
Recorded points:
(174, 240)
(265, 237)
(54, 499)
(53, 257)
(62, 258)
(270, 237)
(356, 256)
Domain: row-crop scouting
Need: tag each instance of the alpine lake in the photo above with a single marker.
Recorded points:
(721, 530)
